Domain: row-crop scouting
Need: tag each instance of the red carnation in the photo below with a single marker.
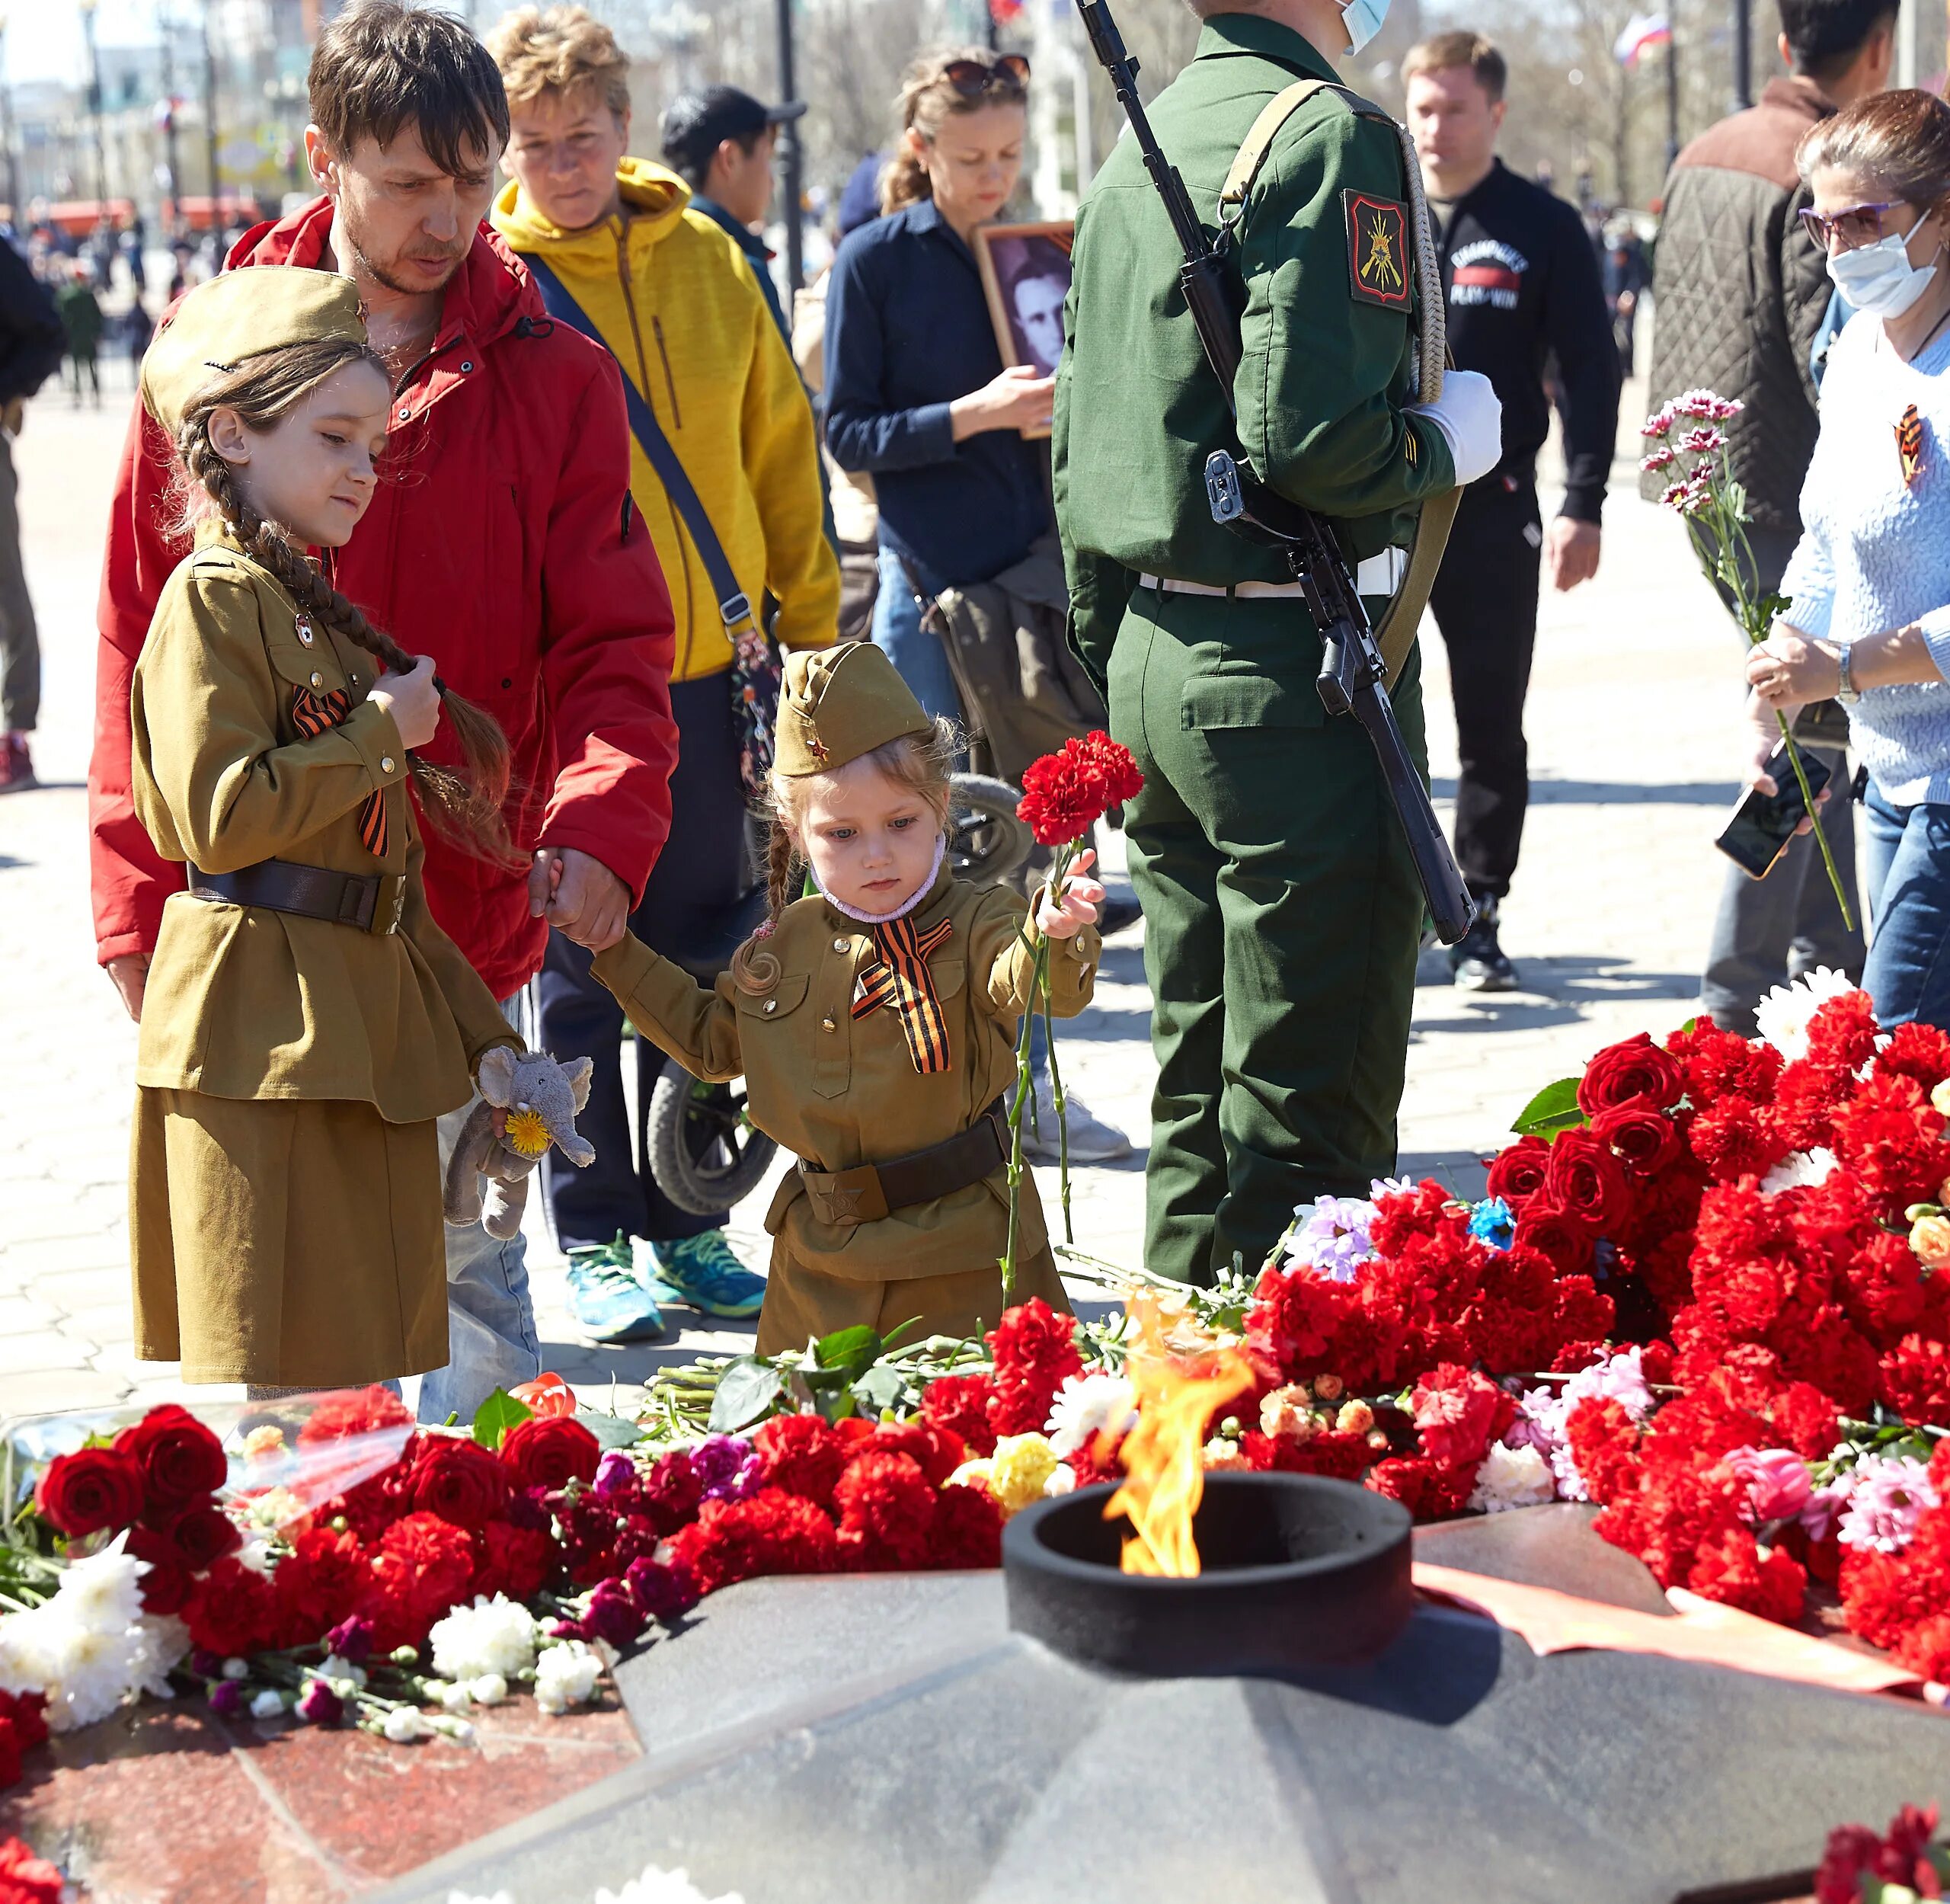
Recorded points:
(1918, 1051)
(804, 1455)
(1064, 794)
(886, 1508)
(1635, 1073)
(235, 1612)
(424, 1567)
(22, 1727)
(1587, 1181)
(1644, 1141)
(1035, 1352)
(513, 1560)
(1842, 1032)
(1733, 1141)
(672, 1491)
(772, 1532)
(181, 1459)
(93, 1489)
(1890, 1136)
(1520, 1170)
(1731, 1568)
(960, 1404)
(550, 1451)
(1458, 1414)
(361, 1411)
(1604, 1440)
(25, 1878)
(938, 1452)
(320, 1582)
(966, 1530)
(1720, 1063)
(457, 1480)
(1428, 1490)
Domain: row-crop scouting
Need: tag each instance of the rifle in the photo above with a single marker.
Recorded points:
(1353, 678)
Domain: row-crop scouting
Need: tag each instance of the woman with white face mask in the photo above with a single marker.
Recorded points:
(1868, 614)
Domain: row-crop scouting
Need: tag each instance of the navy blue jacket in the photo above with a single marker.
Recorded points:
(907, 330)
(754, 248)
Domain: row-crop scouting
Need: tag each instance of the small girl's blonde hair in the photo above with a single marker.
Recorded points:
(925, 766)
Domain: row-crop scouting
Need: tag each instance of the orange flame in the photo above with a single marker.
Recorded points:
(1164, 1455)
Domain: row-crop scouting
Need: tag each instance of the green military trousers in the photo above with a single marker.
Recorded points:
(1282, 919)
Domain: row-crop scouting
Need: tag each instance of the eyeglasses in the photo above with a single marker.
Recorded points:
(1860, 225)
(973, 78)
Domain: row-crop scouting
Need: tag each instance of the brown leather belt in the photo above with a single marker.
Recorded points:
(871, 1190)
(312, 892)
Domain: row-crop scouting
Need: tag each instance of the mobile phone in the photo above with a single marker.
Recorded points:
(1762, 823)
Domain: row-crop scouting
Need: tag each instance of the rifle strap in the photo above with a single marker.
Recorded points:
(1395, 632)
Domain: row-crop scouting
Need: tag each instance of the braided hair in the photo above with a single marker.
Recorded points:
(465, 808)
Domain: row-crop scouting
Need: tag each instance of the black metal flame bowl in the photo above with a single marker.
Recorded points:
(1298, 1572)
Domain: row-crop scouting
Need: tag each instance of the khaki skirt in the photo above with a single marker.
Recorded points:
(292, 1243)
(802, 1302)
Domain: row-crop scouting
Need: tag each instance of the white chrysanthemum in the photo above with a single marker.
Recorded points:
(104, 1591)
(495, 1636)
(565, 1676)
(162, 1643)
(1802, 1171)
(93, 1672)
(1512, 1477)
(1782, 1017)
(1087, 1406)
(657, 1886)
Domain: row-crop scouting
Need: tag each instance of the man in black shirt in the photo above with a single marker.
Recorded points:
(1523, 290)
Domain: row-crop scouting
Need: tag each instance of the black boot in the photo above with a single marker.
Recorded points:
(1476, 963)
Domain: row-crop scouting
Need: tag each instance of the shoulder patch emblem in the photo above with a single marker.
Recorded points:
(1377, 249)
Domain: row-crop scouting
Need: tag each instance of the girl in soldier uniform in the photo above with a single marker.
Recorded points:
(306, 1021)
(875, 1021)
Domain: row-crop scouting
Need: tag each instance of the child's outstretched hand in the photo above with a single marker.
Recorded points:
(1079, 905)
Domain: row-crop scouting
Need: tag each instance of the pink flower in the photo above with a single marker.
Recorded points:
(1778, 1483)
(1702, 442)
(1703, 404)
(1662, 458)
(1891, 1494)
(1659, 423)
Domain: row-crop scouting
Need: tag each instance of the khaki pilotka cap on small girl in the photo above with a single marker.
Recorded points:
(839, 703)
(238, 315)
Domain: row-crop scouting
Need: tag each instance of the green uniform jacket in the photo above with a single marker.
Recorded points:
(1326, 362)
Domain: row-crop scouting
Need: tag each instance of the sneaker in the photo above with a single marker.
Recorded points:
(16, 765)
(607, 1296)
(1476, 963)
(704, 1273)
(1091, 1141)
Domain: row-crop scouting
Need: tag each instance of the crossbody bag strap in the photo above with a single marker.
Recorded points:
(733, 604)
(1394, 633)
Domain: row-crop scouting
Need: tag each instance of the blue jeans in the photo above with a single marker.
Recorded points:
(916, 652)
(1908, 975)
(491, 1321)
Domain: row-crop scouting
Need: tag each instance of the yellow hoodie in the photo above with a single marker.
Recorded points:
(676, 301)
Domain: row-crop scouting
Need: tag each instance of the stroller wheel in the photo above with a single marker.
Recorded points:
(704, 1154)
(987, 843)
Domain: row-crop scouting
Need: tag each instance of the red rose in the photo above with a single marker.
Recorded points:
(1636, 1072)
(199, 1536)
(1587, 1182)
(181, 1460)
(1564, 1239)
(90, 1490)
(1644, 1141)
(1520, 1172)
(235, 1612)
(457, 1480)
(550, 1451)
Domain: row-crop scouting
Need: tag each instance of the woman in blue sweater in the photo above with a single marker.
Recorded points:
(1869, 588)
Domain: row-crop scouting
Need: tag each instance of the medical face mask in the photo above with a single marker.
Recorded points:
(1878, 277)
(1362, 19)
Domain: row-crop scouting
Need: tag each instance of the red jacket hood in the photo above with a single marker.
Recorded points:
(485, 299)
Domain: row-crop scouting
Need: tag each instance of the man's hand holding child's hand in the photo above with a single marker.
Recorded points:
(1081, 898)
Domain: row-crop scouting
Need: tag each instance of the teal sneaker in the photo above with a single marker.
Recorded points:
(703, 1272)
(606, 1296)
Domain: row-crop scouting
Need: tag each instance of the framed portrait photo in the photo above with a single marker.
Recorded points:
(1025, 271)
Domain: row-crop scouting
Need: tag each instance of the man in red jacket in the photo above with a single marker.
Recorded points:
(504, 544)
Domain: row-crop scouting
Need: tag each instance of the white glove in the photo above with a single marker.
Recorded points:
(1471, 420)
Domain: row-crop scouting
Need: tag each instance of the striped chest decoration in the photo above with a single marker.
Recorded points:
(900, 981)
(313, 715)
(1909, 445)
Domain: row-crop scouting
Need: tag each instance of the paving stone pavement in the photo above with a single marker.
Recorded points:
(1632, 714)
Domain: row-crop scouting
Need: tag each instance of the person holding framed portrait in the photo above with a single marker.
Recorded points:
(917, 392)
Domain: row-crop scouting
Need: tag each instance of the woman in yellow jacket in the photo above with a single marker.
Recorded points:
(674, 300)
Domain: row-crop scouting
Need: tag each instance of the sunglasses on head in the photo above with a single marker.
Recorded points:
(973, 78)
(1860, 225)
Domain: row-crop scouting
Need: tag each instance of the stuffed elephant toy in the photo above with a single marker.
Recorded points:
(527, 1103)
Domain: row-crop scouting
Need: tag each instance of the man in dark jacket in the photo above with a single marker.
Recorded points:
(1739, 292)
(31, 342)
(1522, 285)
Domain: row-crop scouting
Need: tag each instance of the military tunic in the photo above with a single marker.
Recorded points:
(1282, 911)
(285, 1212)
(840, 1091)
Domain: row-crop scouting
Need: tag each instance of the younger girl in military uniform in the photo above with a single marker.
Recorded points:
(305, 1022)
(874, 1022)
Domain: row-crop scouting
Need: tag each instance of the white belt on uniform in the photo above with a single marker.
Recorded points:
(1379, 575)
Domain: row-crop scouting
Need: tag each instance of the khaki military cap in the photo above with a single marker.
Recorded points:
(839, 703)
(238, 315)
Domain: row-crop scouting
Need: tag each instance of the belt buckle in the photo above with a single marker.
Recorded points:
(387, 914)
(845, 1198)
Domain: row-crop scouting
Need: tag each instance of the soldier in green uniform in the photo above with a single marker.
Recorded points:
(1283, 913)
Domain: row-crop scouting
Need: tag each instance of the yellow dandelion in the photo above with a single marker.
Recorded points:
(528, 1133)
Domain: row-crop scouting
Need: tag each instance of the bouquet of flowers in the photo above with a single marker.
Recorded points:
(1902, 1865)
